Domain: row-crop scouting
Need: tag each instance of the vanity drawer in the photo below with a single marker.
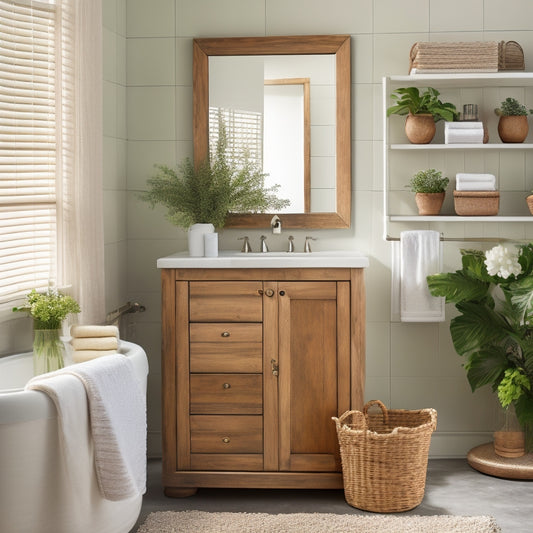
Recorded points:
(226, 347)
(226, 434)
(225, 301)
(226, 394)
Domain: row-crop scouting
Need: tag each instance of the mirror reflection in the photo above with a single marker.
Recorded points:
(280, 110)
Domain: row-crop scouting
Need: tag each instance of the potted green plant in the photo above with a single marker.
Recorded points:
(48, 310)
(430, 189)
(493, 293)
(423, 110)
(200, 198)
(512, 125)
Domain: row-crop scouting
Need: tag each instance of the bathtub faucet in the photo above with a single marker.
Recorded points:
(129, 307)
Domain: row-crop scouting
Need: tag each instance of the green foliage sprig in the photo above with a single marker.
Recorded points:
(411, 100)
(511, 107)
(208, 193)
(48, 309)
(428, 181)
(493, 292)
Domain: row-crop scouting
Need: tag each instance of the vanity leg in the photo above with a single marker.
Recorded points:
(176, 492)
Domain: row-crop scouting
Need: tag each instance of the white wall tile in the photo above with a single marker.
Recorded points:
(142, 158)
(115, 216)
(509, 15)
(151, 61)
(456, 15)
(409, 17)
(150, 19)
(151, 113)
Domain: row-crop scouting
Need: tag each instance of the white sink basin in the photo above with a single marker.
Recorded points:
(235, 259)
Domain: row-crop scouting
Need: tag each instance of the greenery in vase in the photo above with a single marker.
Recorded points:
(493, 292)
(209, 193)
(428, 181)
(511, 107)
(411, 100)
(48, 309)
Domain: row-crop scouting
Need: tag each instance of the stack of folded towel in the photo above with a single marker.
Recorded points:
(89, 342)
(463, 132)
(475, 182)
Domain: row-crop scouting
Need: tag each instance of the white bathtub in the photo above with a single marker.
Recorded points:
(36, 494)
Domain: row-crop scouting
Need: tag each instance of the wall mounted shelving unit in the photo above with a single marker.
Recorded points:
(471, 84)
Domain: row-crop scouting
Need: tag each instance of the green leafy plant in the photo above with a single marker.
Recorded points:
(493, 292)
(411, 100)
(511, 107)
(428, 181)
(208, 193)
(48, 309)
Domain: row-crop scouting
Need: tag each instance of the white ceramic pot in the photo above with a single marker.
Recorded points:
(195, 236)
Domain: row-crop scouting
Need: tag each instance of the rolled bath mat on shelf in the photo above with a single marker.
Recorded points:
(89, 342)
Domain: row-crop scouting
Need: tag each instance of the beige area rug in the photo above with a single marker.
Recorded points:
(203, 522)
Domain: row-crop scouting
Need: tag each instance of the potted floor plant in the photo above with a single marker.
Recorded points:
(493, 292)
(430, 189)
(423, 110)
(200, 198)
(512, 125)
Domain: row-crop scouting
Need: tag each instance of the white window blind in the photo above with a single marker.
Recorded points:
(244, 134)
(30, 128)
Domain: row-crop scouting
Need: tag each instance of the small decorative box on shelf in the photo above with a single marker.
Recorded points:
(476, 203)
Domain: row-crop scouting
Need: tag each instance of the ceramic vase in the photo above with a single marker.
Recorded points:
(420, 129)
(195, 237)
(513, 129)
(48, 351)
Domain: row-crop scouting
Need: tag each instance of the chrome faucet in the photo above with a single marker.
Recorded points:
(264, 247)
(246, 248)
(307, 245)
(290, 249)
(275, 224)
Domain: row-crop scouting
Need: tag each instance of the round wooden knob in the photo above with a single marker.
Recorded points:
(226, 386)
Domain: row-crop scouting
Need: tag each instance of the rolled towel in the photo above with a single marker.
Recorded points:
(474, 176)
(459, 136)
(79, 356)
(95, 343)
(475, 182)
(94, 331)
(464, 125)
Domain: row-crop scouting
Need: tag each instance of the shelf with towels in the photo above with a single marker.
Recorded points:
(401, 159)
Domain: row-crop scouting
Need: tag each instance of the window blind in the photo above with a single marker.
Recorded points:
(29, 137)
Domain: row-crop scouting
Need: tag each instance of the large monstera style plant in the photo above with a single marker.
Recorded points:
(493, 293)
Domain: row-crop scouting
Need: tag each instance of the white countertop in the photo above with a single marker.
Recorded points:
(235, 259)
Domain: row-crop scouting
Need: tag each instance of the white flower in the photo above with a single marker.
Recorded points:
(502, 262)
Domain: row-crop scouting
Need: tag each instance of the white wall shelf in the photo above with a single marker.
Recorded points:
(468, 86)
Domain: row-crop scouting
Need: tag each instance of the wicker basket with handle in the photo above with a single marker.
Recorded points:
(384, 456)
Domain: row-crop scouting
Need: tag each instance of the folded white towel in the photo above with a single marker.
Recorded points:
(80, 356)
(420, 257)
(95, 343)
(94, 331)
(117, 406)
(473, 136)
(464, 125)
(475, 182)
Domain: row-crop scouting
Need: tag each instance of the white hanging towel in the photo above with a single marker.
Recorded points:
(420, 257)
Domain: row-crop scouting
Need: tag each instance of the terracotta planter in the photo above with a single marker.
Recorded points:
(513, 129)
(429, 203)
(529, 201)
(420, 129)
(509, 443)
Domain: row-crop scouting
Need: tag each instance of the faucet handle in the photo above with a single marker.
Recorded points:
(307, 245)
(291, 244)
(246, 248)
(264, 247)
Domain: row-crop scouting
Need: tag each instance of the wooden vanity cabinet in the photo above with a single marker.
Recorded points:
(255, 362)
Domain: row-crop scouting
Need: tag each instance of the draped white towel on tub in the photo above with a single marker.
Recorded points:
(420, 257)
(117, 407)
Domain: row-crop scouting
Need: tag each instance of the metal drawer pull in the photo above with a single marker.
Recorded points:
(226, 440)
(225, 334)
(282, 293)
(269, 292)
(226, 386)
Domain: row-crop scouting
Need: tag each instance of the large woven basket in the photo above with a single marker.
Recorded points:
(384, 456)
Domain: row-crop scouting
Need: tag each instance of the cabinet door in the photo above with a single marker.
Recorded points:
(314, 352)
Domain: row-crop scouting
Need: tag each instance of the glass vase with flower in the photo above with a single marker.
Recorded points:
(48, 310)
(493, 293)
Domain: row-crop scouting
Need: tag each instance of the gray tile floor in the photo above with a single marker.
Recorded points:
(452, 487)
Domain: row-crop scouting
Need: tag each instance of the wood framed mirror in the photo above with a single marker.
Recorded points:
(338, 48)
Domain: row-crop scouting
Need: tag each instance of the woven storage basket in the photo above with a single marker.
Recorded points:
(384, 457)
(476, 203)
